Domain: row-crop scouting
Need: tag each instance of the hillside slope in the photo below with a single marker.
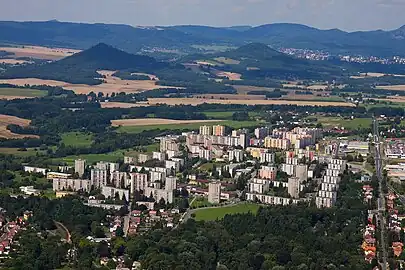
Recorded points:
(82, 67)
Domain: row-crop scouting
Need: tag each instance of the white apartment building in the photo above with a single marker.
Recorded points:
(214, 192)
(206, 130)
(267, 157)
(139, 181)
(294, 187)
(98, 178)
(80, 166)
(60, 184)
(159, 156)
(236, 155)
(112, 192)
(119, 179)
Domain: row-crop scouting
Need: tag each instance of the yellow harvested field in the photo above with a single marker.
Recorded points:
(110, 105)
(374, 75)
(230, 96)
(110, 85)
(13, 97)
(155, 121)
(6, 120)
(39, 52)
(400, 87)
(232, 76)
(205, 63)
(14, 61)
(196, 101)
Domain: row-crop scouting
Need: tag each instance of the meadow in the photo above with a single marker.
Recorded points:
(210, 214)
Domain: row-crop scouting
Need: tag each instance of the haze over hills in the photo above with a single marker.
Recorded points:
(184, 38)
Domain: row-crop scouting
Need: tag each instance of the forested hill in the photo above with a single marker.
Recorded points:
(258, 60)
(186, 38)
(82, 67)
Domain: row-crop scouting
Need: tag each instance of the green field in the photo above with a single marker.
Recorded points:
(193, 126)
(16, 152)
(112, 156)
(219, 213)
(77, 139)
(22, 92)
(346, 123)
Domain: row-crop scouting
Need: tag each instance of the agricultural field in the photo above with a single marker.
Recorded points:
(356, 123)
(232, 76)
(38, 52)
(77, 139)
(6, 120)
(188, 126)
(14, 93)
(156, 121)
(13, 61)
(195, 101)
(210, 214)
(111, 84)
(244, 89)
(399, 87)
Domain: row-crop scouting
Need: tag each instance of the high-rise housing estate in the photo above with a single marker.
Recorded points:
(294, 187)
(261, 132)
(171, 183)
(218, 130)
(98, 178)
(206, 130)
(80, 166)
(301, 172)
(214, 192)
(169, 143)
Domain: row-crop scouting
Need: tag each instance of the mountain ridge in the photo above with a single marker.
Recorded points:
(184, 38)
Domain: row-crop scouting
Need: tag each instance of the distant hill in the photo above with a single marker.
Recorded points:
(182, 39)
(259, 61)
(82, 67)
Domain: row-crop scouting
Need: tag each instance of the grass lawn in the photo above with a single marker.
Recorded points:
(208, 166)
(16, 152)
(192, 126)
(200, 202)
(77, 139)
(23, 92)
(219, 213)
(346, 123)
(219, 115)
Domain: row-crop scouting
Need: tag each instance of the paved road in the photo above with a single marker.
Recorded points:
(381, 199)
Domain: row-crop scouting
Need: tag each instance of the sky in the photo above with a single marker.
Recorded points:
(349, 15)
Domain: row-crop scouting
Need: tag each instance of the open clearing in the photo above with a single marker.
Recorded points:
(110, 85)
(352, 124)
(227, 61)
(195, 101)
(77, 139)
(6, 120)
(188, 126)
(155, 121)
(38, 52)
(232, 76)
(13, 93)
(210, 214)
